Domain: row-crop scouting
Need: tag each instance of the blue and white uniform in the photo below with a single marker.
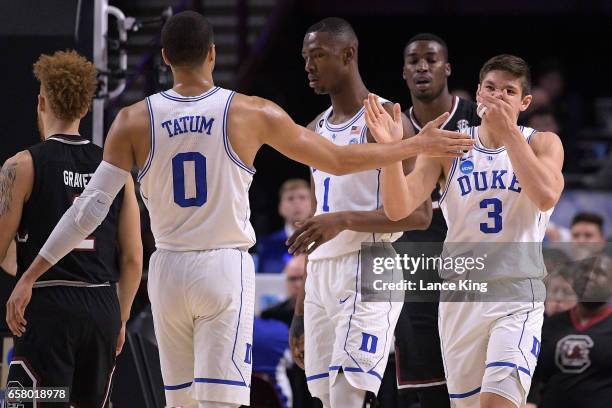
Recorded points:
(201, 278)
(492, 346)
(342, 331)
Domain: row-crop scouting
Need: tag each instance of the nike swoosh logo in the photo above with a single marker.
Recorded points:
(345, 299)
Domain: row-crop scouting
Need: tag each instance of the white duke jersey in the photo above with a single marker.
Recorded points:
(351, 192)
(483, 202)
(193, 184)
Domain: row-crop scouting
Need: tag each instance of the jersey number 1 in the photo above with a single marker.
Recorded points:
(178, 179)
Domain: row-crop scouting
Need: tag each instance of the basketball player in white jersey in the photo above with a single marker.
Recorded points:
(490, 349)
(195, 145)
(347, 341)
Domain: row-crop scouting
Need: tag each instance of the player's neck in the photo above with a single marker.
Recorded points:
(426, 111)
(60, 127)
(192, 81)
(584, 313)
(348, 100)
(489, 139)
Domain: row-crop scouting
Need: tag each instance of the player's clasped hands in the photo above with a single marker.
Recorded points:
(431, 140)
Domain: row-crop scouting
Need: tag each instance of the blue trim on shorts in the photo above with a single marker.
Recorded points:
(348, 330)
(507, 364)
(519, 343)
(237, 326)
(317, 376)
(177, 387)
(355, 370)
(219, 381)
(465, 394)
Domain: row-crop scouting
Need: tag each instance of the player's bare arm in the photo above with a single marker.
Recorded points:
(402, 194)
(317, 230)
(16, 180)
(537, 164)
(267, 123)
(130, 257)
(128, 139)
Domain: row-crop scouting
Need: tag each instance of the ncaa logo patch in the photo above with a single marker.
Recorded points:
(572, 353)
(467, 167)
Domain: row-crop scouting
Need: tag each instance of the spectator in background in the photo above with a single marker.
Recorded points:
(560, 295)
(575, 357)
(294, 279)
(271, 359)
(588, 237)
(294, 206)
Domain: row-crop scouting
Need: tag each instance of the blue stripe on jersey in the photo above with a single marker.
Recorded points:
(189, 98)
(147, 165)
(529, 137)
(226, 143)
(448, 180)
(331, 127)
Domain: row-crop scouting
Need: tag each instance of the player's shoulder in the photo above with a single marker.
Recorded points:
(133, 119)
(20, 161)
(254, 107)
(542, 141)
(317, 121)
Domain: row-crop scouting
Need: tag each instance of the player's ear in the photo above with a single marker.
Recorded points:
(348, 54)
(165, 57)
(212, 53)
(447, 69)
(41, 103)
(526, 102)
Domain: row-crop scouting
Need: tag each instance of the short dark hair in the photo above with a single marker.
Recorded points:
(337, 27)
(186, 37)
(514, 65)
(590, 218)
(429, 37)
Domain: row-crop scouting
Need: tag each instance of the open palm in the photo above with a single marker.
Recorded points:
(383, 127)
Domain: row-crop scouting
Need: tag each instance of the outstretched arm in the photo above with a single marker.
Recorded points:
(272, 126)
(403, 194)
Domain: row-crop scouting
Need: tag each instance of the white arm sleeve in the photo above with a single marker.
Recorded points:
(86, 213)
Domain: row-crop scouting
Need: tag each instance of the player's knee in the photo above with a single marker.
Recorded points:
(506, 393)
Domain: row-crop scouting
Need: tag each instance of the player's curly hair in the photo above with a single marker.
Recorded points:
(69, 81)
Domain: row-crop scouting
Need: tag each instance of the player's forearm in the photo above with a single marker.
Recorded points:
(129, 282)
(36, 270)
(399, 200)
(368, 156)
(541, 184)
(377, 221)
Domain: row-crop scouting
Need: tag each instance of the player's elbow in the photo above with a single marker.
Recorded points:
(423, 219)
(547, 199)
(396, 213)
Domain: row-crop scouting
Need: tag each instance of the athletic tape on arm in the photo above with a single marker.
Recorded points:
(86, 213)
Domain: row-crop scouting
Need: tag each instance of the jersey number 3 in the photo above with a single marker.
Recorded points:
(495, 205)
(178, 179)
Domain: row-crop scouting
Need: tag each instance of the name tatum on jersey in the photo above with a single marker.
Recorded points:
(197, 124)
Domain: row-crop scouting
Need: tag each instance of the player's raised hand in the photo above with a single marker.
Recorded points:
(498, 115)
(383, 127)
(436, 142)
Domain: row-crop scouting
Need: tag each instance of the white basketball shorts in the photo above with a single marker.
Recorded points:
(202, 304)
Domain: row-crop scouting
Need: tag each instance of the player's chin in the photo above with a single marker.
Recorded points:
(319, 90)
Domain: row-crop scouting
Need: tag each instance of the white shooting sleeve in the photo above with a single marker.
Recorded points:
(86, 213)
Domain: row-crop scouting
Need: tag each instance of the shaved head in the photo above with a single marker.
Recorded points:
(340, 31)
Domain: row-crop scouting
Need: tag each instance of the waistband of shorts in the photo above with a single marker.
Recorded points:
(176, 251)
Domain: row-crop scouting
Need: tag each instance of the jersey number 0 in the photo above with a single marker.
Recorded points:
(178, 179)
